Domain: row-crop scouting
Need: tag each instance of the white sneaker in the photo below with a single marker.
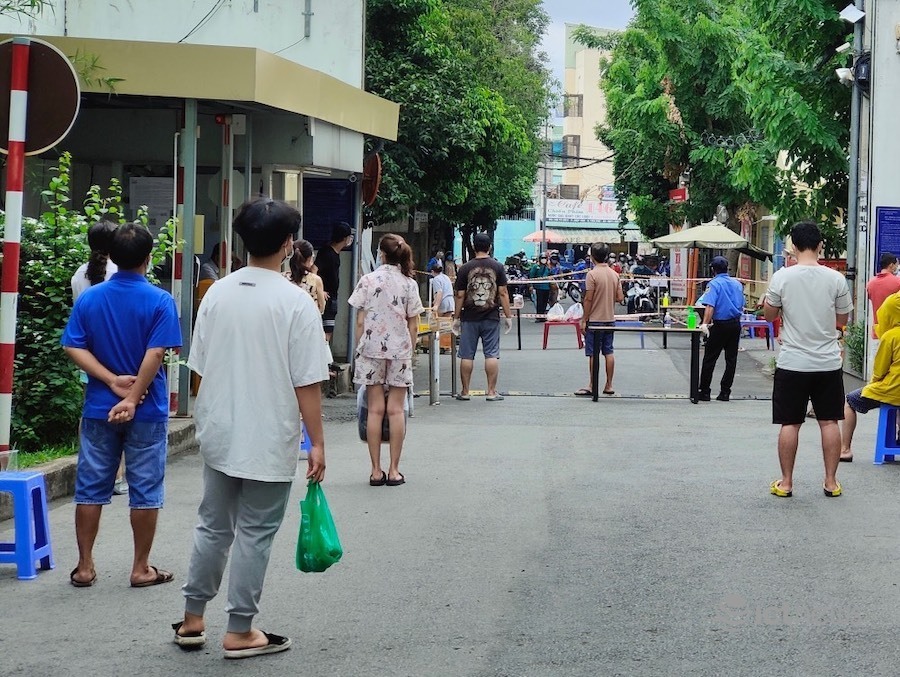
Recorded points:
(120, 488)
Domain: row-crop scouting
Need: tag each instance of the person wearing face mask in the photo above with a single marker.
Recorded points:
(387, 319)
(259, 347)
(541, 289)
(328, 267)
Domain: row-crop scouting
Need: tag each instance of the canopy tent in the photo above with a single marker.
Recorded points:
(711, 235)
(538, 236)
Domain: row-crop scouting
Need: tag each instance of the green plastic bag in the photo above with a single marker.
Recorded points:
(318, 545)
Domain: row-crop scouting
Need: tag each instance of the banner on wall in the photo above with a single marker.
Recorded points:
(678, 272)
(582, 210)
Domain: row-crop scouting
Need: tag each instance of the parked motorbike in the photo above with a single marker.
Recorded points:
(514, 273)
(571, 289)
(639, 299)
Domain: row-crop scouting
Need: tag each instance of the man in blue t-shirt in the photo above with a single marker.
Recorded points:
(724, 301)
(118, 333)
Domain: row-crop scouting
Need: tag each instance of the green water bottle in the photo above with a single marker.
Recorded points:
(691, 319)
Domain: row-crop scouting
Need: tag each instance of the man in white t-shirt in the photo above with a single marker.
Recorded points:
(259, 346)
(442, 301)
(813, 302)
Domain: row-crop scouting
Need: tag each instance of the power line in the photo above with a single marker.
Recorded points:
(293, 44)
(215, 8)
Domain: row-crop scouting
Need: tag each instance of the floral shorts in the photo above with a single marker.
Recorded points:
(371, 371)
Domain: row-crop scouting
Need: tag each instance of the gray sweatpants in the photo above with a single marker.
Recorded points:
(247, 513)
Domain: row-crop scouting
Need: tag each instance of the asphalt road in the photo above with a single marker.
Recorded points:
(535, 536)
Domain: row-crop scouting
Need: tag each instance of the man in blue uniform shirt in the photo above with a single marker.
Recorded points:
(724, 301)
(118, 333)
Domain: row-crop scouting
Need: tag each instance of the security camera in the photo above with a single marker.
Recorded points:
(843, 48)
(844, 75)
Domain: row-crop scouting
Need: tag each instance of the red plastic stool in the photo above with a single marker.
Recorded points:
(562, 323)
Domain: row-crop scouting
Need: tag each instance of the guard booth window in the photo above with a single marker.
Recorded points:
(326, 202)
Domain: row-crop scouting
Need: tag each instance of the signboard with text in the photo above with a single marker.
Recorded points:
(582, 210)
(678, 272)
(887, 229)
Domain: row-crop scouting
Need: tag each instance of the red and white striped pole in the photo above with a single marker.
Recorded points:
(15, 179)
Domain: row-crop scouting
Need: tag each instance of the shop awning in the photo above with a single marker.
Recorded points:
(239, 74)
(591, 235)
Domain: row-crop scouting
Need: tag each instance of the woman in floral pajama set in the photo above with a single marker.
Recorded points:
(388, 309)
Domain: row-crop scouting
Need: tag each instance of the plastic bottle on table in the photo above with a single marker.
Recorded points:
(691, 319)
(667, 320)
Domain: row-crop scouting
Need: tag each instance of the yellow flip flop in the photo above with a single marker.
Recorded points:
(833, 494)
(776, 490)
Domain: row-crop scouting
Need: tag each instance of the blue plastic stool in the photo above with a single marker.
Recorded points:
(305, 444)
(886, 444)
(32, 524)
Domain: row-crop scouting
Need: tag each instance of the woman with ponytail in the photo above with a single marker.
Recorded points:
(302, 275)
(388, 309)
(98, 268)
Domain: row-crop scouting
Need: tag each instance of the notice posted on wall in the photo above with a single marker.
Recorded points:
(157, 193)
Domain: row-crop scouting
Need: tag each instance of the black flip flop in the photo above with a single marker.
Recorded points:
(81, 584)
(161, 577)
(583, 392)
(276, 643)
(379, 482)
(396, 483)
(609, 392)
(188, 640)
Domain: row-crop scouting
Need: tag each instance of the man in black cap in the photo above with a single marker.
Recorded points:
(724, 301)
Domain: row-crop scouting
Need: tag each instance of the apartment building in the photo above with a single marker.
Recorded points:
(584, 107)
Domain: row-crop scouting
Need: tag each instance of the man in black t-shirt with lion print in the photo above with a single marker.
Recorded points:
(480, 292)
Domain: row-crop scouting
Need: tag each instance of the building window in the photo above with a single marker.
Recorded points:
(571, 150)
(573, 105)
(569, 191)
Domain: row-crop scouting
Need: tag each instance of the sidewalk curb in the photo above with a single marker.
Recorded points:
(59, 475)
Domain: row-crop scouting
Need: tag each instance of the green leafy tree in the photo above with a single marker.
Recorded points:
(740, 95)
(47, 394)
(29, 8)
(472, 91)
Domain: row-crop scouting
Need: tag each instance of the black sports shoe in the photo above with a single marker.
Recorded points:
(723, 397)
(703, 398)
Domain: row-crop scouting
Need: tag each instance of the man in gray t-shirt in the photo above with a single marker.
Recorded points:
(814, 302)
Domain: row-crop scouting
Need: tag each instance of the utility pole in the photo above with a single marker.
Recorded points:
(853, 253)
(547, 155)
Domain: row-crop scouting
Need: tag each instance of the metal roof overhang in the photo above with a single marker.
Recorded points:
(607, 233)
(240, 74)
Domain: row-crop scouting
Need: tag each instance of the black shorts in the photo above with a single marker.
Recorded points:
(793, 390)
(328, 315)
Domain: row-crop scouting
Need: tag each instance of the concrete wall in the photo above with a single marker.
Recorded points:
(334, 45)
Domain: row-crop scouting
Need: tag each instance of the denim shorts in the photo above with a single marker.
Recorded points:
(143, 443)
(860, 404)
(489, 333)
(606, 340)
